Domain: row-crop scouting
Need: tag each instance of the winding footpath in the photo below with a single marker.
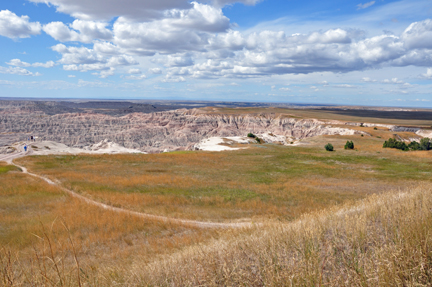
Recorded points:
(193, 223)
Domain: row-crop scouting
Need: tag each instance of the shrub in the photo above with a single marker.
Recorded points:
(349, 145)
(425, 144)
(329, 147)
(260, 141)
(251, 135)
(414, 145)
(361, 125)
(375, 128)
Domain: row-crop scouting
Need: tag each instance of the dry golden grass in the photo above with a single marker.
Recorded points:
(384, 240)
(38, 224)
(265, 181)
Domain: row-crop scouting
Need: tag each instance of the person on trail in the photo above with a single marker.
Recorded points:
(25, 148)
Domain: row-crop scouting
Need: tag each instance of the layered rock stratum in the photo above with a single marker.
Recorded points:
(154, 132)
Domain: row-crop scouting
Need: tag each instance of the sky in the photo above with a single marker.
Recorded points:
(342, 52)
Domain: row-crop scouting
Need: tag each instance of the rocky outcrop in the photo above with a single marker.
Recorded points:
(155, 132)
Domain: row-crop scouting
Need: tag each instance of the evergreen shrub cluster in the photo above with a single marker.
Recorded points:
(329, 147)
(349, 145)
(424, 144)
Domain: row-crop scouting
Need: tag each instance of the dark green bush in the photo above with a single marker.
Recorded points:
(375, 128)
(251, 135)
(329, 147)
(349, 145)
(425, 144)
(414, 145)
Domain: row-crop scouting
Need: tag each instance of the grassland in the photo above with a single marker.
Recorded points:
(36, 217)
(324, 218)
(263, 181)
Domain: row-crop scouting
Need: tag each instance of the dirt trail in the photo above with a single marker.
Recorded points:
(200, 224)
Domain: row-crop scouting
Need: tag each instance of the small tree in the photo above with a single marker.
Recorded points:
(425, 144)
(329, 147)
(251, 135)
(414, 145)
(349, 145)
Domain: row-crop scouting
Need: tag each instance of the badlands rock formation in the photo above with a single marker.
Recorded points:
(153, 132)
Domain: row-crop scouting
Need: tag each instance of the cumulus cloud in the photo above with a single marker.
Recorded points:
(155, 71)
(179, 31)
(392, 81)
(418, 35)
(19, 63)
(79, 31)
(84, 59)
(136, 77)
(365, 5)
(134, 71)
(13, 26)
(368, 80)
(105, 73)
(428, 74)
(17, 71)
(132, 9)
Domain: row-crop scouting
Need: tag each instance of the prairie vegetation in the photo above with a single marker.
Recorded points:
(380, 241)
(383, 240)
(40, 225)
(266, 181)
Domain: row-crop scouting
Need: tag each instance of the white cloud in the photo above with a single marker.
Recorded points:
(179, 61)
(285, 89)
(136, 77)
(17, 71)
(365, 5)
(71, 76)
(155, 71)
(418, 35)
(345, 86)
(132, 9)
(368, 80)
(105, 73)
(88, 31)
(134, 71)
(428, 74)
(393, 81)
(48, 64)
(85, 59)
(179, 31)
(19, 63)
(13, 26)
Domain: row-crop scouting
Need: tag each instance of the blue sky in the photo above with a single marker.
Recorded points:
(375, 53)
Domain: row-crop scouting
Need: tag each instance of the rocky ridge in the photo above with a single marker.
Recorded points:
(153, 132)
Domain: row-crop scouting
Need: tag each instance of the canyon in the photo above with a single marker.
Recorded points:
(153, 131)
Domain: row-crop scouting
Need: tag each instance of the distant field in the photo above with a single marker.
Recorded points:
(261, 182)
(404, 118)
